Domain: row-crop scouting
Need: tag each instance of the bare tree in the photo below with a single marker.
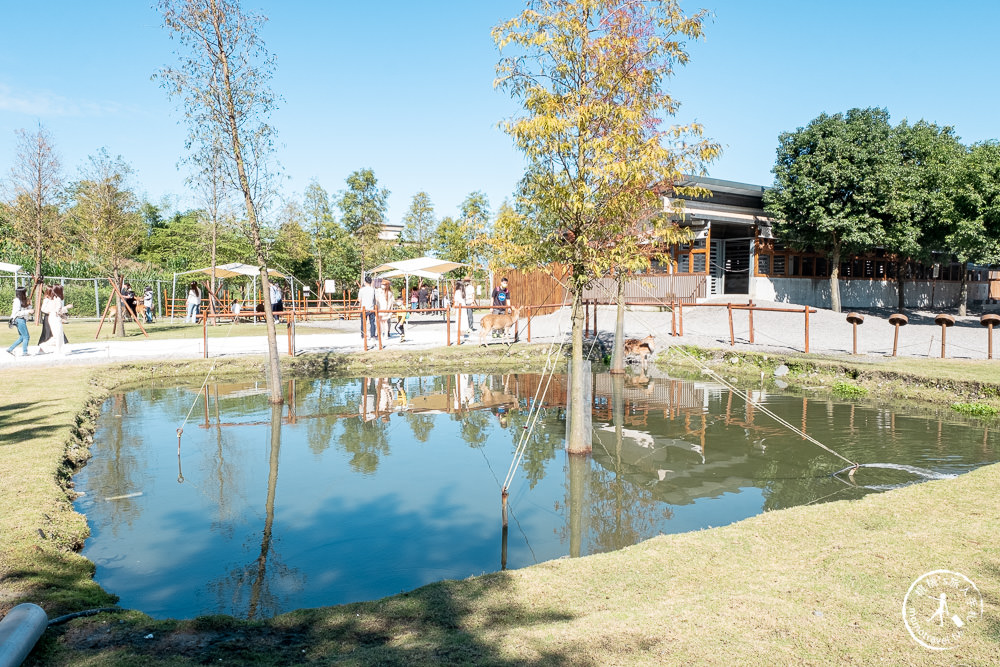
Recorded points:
(36, 190)
(106, 216)
(208, 180)
(224, 83)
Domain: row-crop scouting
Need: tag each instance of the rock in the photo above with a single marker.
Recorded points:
(781, 384)
(781, 371)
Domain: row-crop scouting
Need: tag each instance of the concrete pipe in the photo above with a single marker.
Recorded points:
(19, 630)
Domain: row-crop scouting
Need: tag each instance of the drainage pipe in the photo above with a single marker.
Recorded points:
(19, 631)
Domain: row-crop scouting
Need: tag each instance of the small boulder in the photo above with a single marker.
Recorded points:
(781, 371)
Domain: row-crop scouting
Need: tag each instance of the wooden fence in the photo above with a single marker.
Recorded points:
(547, 287)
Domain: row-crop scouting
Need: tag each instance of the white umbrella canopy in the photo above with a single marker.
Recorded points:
(425, 264)
(6, 267)
(417, 272)
(232, 270)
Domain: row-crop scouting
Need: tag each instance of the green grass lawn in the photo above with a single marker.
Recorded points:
(812, 585)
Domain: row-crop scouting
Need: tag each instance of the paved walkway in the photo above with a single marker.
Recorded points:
(705, 326)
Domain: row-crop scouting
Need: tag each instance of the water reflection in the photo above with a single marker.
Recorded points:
(387, 483)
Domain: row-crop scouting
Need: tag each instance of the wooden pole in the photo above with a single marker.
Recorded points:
(204, 333)
(458, 325)
(855, 327)
(529, 329)
(378, 325)
(990, 336)
(944, 335)
(895, 339)
(732, 337)
(291, 326)
(447, 325)
(586, 318)
(751, 322)
(673, 318)
(680, 317)
(806, 309)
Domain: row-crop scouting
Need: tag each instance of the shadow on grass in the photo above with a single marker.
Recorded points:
(450, 622)
(58, 581)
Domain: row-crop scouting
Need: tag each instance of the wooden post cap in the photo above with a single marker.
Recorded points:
(944, 320)
(898, 319)
(989, 319)
(855, 318)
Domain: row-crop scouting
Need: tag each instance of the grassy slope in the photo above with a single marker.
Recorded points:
(811, 585)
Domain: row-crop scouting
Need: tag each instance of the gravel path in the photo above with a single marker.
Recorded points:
(703, 325)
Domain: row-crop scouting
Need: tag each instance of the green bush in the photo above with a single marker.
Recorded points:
(848, 390)
(975, 409)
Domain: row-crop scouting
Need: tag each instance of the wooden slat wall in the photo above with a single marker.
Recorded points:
(542, 287)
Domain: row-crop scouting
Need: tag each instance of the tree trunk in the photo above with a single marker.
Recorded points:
(258, 586)
(35, 287)
(835, 279)
(578, 468)
(618, 351)
(963, 291)
(579, 411)
(274, 366)
(212, 286)
(901, 284)
(120, 311)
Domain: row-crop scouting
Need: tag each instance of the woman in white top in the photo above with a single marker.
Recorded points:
(56, 310)
(383, 302)
(193, 303)
(19, 312)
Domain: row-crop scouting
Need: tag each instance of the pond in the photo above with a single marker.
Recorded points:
(365, 487)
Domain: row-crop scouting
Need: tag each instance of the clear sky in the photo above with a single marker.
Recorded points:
(406, 87)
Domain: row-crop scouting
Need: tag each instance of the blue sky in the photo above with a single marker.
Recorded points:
(406, 88)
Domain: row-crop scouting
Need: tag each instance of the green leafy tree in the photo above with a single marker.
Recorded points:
(474, 220)
(973, 234)
(591, 76)
(419, 223)
(834, 183)
(362, 212)
(324, 232)
(292, 244)
(106, 218)
(913, 228)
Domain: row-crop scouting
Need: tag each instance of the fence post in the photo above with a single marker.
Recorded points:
(586, 318)
(458, 325)
(751, 321)
(447, 326)
(680, 317)
(204, 332)
(290, 321)
(529, 330)
(673, 318)
(806, 310)
(732, 337)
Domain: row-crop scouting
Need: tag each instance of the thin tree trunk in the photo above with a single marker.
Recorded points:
(835, 279)
(120, 310)
(578, 468)
(274, 366)
(211, 301)
(963, 291)
(618, 350)
(579, 411)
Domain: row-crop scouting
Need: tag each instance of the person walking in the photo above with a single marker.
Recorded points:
(193, 303)
(57, 311)
(19, 312)
(147, 303)
(470, 300)
(383, 303)
(423, 294)
(46, 330)
(366, 300)
(435, 298)
(277, 300)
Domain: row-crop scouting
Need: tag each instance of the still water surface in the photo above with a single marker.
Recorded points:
(361, 488)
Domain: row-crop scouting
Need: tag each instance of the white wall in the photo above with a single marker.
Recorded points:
(864, 293)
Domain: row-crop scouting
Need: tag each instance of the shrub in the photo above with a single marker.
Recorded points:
(975, 409)
(848, 390)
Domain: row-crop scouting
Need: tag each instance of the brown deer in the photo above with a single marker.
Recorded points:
(643, 349)
(494, 322)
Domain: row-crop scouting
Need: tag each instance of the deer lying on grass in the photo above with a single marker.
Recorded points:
(643, 349)
(493, 322)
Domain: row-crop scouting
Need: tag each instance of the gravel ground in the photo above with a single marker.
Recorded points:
(703, 325)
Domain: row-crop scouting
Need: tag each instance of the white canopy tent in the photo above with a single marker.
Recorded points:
(430, 268)
(7, 267)
(232, 270)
